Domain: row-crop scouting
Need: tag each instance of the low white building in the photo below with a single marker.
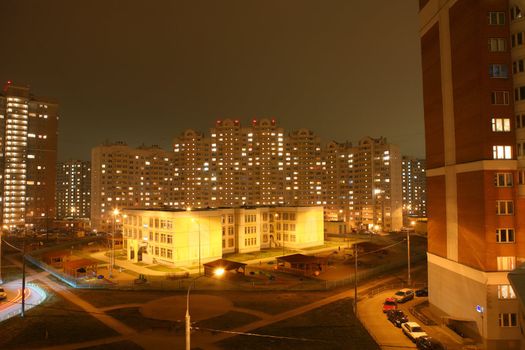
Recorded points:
(189, 237)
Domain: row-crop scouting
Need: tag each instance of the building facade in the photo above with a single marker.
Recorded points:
(73, 189)
(189, 237)
(259, 165)
(28, 153)
(414, 184)
(475, 185)
(126, 177)
(377, 190)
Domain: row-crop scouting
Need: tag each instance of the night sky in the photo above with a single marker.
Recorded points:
(144, 71)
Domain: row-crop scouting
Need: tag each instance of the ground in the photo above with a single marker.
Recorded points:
(268, 314)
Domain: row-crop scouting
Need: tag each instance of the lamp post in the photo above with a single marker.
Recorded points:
(355, 279)
(22, 313)
(409, 279)
(5, 227)
(218, 272)
(112, 253)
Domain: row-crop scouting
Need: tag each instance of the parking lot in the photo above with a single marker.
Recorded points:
(390, 337)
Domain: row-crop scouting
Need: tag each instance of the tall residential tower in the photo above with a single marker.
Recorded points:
(475, 185)
(28, 152)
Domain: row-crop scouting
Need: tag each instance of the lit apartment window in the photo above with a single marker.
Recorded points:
(502, 152)
(505, 235)
(496, 18)
(516, 39)
(497, 45)
(505, 291)
(518, 66)
(506, 263)
(500, 124)
(503, 179)
(508, 320)
(498, 71)
(519, 93)
(499, 97)
(504, 207)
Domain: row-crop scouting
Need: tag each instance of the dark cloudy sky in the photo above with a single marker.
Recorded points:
(144, 71)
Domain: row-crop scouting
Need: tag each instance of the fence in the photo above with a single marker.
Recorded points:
(168, 283)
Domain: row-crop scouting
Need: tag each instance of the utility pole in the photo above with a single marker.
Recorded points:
(355, 279)
(408, 258)
(22, 314)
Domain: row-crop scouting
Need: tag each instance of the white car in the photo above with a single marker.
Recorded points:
(3, 294)
(404, 295)
(413, 330)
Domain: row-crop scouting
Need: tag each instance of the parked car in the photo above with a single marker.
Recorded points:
(422, 292)
(389, 304)
(428, 343)
(397, 317)
(413, 331)
(404, 295)
(3, 294)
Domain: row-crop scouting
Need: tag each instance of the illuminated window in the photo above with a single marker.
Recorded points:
(501, 152)
(500, 124)
(506, 263)
(505, 291)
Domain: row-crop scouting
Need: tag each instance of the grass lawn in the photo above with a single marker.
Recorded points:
(330, 327)
(274, 303)
(227, 321)
(133, 318)
(54, 322)
(104, 298)
(120, 345)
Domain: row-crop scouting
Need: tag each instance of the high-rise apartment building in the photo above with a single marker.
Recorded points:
(337, 161)
(28, 152)
(125, 177)
(303, 169)
(73, 189)
(233, 166)
(259, 165)
(377, 187)
(473, 82)
(414, 188)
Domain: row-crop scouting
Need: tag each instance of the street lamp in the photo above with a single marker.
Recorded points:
(112, 253)
(5, 228)
(217, 272)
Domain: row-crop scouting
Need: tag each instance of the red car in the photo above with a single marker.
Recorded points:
(389, 304)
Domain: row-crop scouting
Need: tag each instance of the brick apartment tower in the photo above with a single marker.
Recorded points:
(475, 182)
(28, 152)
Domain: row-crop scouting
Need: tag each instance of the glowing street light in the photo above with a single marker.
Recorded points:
(115, 213)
